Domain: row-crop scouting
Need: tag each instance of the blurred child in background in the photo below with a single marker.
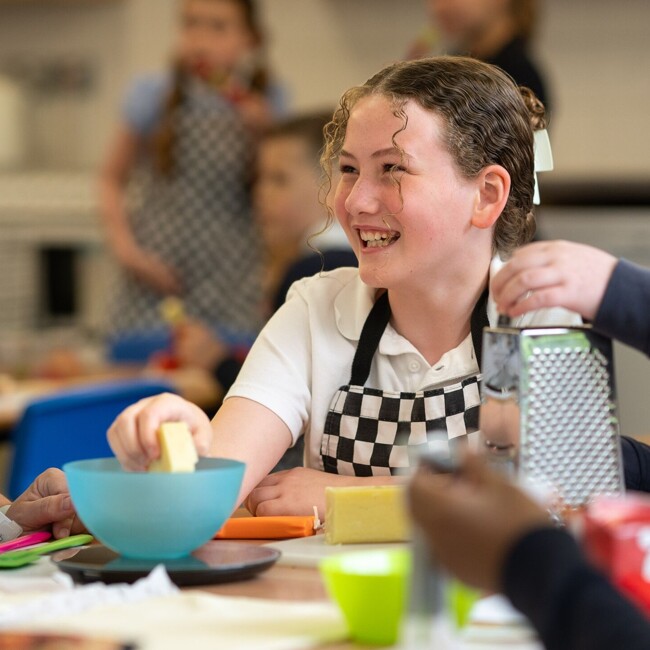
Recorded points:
(186, 147)
(290, 217)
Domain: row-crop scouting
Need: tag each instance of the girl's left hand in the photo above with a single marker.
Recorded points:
(294, 492)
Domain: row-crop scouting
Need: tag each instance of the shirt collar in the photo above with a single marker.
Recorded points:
(353, 304)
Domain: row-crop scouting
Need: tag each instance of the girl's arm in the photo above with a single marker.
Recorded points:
(242, 430)
(112, 186)
(248, 431)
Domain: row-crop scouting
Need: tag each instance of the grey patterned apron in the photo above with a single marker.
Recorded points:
(199, 222)
(368, 431)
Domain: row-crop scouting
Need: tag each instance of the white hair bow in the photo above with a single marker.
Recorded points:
(543, 158)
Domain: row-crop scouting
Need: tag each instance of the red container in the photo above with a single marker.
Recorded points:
(617, 540)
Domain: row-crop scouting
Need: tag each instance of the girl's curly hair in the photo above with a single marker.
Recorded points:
(487, 120)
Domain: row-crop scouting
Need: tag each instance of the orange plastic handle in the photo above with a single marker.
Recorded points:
(267, 527)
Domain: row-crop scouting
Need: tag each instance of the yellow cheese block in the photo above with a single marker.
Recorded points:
(356, 515)
(172, 311)
(177, 450)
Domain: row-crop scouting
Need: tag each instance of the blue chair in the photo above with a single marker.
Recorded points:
(71, 425)
(137, 346)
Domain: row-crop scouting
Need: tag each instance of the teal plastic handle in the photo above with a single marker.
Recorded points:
(15, 559)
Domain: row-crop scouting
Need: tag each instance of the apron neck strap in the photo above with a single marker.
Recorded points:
(477, 323)
(371, 334)
(373, 330)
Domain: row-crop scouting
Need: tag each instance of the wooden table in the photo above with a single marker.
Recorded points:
(300, 584)
(280, 582)
(194, 384)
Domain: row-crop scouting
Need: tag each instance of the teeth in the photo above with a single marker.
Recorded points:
(378, 243)
(370, 236)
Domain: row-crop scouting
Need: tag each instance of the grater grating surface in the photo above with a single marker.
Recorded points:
(569, 434)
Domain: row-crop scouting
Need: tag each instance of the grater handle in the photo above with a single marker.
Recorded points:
(504, 321)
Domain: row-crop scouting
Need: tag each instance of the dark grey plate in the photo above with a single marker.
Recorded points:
(215, 562)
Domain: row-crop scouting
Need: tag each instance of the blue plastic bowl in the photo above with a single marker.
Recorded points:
(157, 515)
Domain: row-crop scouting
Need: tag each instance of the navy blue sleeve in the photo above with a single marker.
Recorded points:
(636, 464)
(309, 265)
(571, 605)
(624, 313)
(226, 372)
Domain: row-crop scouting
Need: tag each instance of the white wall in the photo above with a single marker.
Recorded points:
(322, 47)
(117, 39)
(62, 129)
(595, 57)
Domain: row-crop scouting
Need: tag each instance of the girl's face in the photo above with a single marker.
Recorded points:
(422, 234)
(214, 37)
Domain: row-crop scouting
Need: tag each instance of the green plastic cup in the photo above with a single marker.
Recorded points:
(461, 600)
(371, 589)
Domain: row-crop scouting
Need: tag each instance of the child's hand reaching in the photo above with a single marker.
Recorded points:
(133, 437)
(151, 270)
(471, 520)
(553, 274)
(198, 346)
(255, 111)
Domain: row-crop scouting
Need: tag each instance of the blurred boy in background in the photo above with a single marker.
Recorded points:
(297, 242)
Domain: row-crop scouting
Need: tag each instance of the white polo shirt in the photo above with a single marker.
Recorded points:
(304, 354)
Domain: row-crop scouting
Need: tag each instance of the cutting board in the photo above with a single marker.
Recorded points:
(309, 551)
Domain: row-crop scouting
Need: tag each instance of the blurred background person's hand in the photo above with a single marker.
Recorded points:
(472, 519)
(198, 346)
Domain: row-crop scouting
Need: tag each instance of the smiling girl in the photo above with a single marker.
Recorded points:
(437, 180)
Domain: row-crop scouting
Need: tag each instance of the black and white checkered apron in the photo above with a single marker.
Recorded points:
(368, 431)
(198, 221)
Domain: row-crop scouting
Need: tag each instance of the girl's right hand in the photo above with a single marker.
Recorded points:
(152, 271)
(133, 435)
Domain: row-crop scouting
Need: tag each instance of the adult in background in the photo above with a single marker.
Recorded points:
(494, 31)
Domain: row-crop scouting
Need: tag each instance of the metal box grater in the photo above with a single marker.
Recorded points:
(548, 407)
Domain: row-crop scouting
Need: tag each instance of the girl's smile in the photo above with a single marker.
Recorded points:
(377, 238)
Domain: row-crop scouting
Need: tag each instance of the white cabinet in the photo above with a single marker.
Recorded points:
(40, 211)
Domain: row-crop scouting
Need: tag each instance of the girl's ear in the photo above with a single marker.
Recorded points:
(493, 185)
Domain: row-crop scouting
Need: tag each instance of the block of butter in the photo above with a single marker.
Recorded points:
(177, 450)
(356, 515)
